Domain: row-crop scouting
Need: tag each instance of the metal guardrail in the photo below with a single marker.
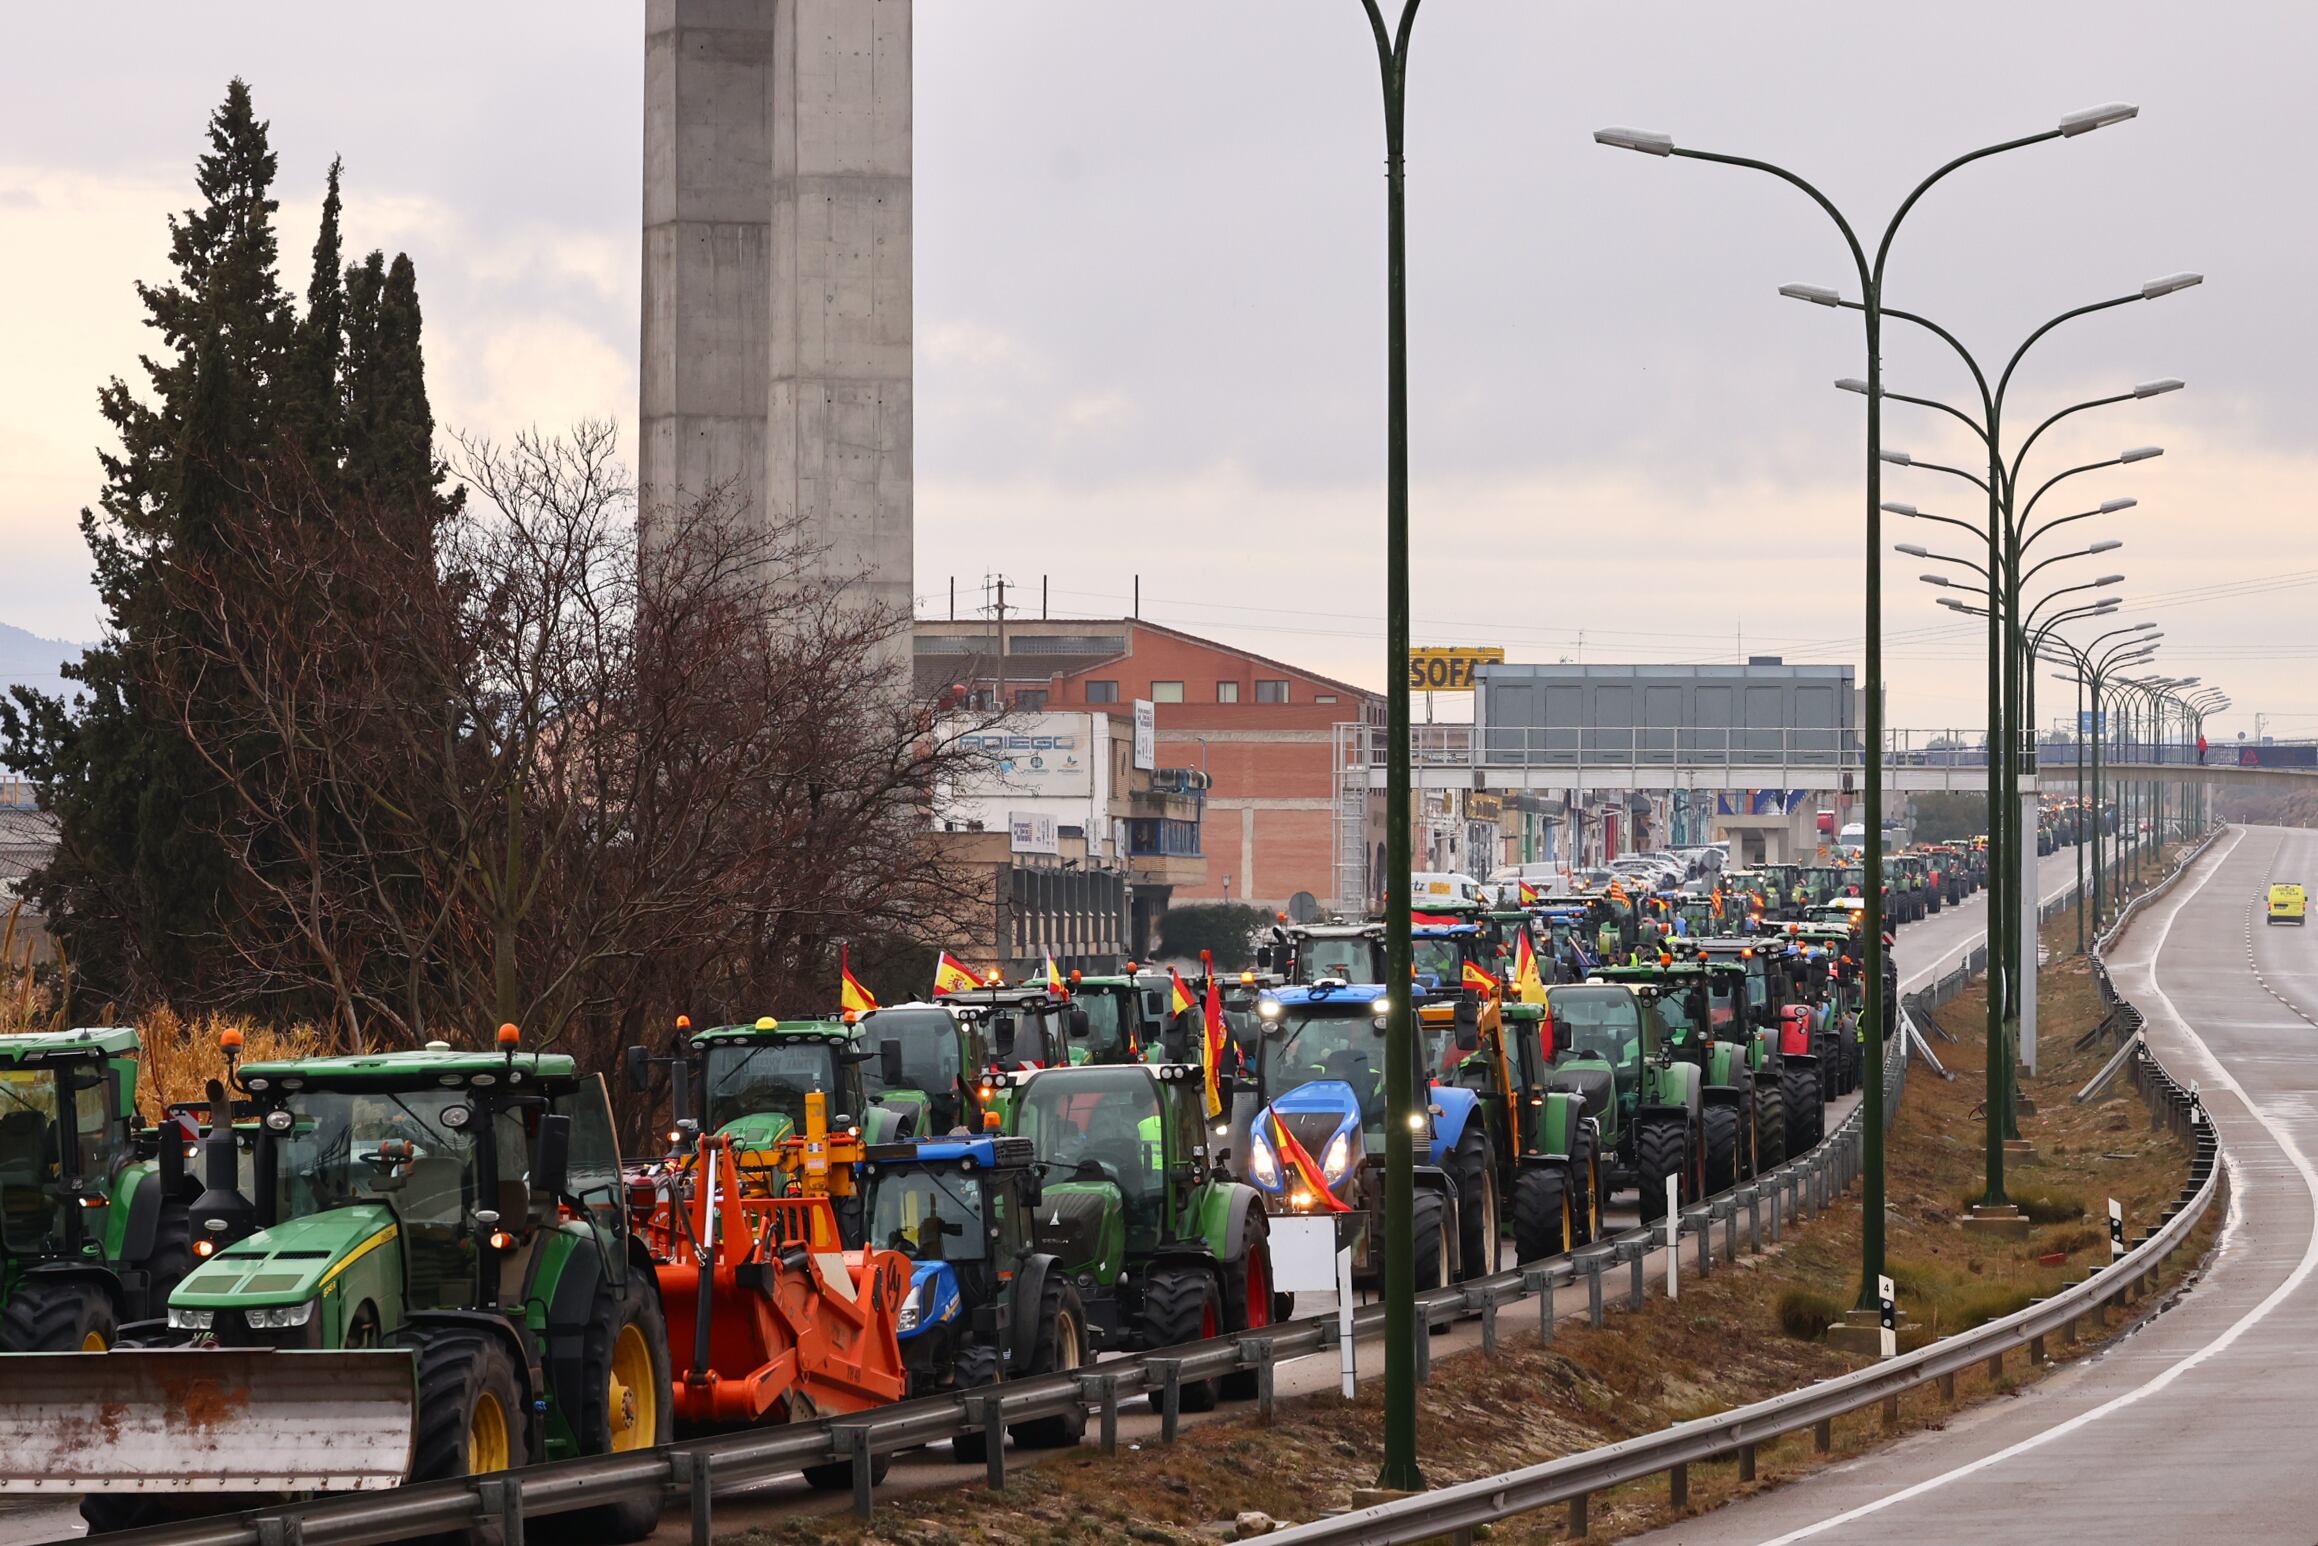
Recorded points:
(693, 1471)
(1735, 1435)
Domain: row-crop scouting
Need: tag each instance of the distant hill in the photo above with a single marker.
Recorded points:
(28, 658)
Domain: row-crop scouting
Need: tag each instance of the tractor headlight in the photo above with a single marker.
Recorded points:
(279, 1317)
(1338, 1159)
(1263, 1164)
(913, 1309)
(191, 1320)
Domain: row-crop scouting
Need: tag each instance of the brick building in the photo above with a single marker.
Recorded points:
(1262, 731)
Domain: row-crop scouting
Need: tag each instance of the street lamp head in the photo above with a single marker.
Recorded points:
(2110, 579)
(2143, 627)
(1893, 507)
(2140, 453)
(2168, 284)
(1897, 459)
(2112, 506)
(2105, 545)
(1940, 580)
(1912, 549)
(1852, 384)
(2158, 387)
(2086, 120)
(1817, 295)
(1646, 141)
(1953, 605)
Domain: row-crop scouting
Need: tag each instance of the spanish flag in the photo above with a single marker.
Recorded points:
(952, 977)
(1475, 978)
(1178, 996)
(1528, 893)
(1211, 1042)
(852, 997)
(1296, 1157)
(1054, 982)
(1528, 983)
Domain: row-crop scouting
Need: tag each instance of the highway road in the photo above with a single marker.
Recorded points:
(1927, 950)
(2202, 1422)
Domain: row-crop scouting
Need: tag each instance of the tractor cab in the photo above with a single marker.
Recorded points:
(1325, 952)
(960, 1210)
(755, 1080)
(1124, 1016)
(927, 1058)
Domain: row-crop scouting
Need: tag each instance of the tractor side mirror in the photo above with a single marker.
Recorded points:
(1175, 1040)
(1080, 1026)
(1468, 1026)
(639, 1063)
(169, 1157)
(551, 1157)
(1002, 1037)
(889, 1063)
(1033, 1191)
(1263, 958)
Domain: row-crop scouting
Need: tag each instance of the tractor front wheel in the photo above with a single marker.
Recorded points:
(1180, 1304)
(1800, 1096)
(60, 1315)
(1722, 1148)
(977, 1366)
(1771, 1124)
(471, 1412)
(1541, 1213)
(1661, 1149)
(1585, 1190)
(1429, 1240)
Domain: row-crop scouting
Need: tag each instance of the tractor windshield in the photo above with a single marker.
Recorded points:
(1311, 1042)
(1597, 1022)
(1341, 958)
(1114, 1022)
(927, 1214)
(1673, 1008)
(931, 1060)
(1102, 1124)
(749, 1079)
(1440, 957)
(419, 1153)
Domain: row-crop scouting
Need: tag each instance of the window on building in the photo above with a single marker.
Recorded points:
(1227, 692)
(1324, 697)
(1271, 692)
(1166, 692)
(1030, 698)
(1102, 692)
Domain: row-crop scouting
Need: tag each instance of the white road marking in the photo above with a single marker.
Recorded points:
(2243, 1324)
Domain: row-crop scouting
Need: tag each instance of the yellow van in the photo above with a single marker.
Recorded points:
(2286, 904)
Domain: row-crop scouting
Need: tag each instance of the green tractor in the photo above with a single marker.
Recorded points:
(945, 1052)
(1682, 1000)
(1162, 1246)
(443, 1237)
(94, 1228)
(1610, 1047)
(754, 1080)
(1544, 1144)
(1758, 981)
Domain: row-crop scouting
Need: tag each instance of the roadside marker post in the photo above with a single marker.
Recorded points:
(1673, 1237)
(1888, 1305)
(2116, 1231)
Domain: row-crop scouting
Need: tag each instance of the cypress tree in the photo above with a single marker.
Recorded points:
(319, 407)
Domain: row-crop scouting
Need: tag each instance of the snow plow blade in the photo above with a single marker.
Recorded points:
(205, 1420)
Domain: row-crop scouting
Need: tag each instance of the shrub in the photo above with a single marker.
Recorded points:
(1228, 929)
(1806, 1315)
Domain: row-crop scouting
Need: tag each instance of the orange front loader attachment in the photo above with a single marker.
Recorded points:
(781, 1320)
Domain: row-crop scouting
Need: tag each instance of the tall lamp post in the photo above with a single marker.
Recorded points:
(1402, 1113)
(1871, 273)
(2052, 645)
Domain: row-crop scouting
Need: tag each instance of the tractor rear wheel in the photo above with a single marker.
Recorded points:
(977, 1366)
(1800, 1095)
(1661, 1149)
(1585, 1189)
(1062, 1349)
(1248, 1299)
(1479, 1230)
(1771, 1124)
(624, 1401)
(1180, 1304)
(57, 1315)
(1722, 1148)
(1541, 1213)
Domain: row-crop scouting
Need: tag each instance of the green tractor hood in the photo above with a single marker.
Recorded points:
(1084, 1223)
(758, 1130)
(286, 1264)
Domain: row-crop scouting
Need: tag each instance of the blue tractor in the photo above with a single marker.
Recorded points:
(984, 1301)
(1316, 1145)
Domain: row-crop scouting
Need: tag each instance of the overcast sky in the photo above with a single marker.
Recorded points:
(1150, 304)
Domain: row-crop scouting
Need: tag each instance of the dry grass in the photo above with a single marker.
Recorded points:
(182, 1056)
(1743, 1334)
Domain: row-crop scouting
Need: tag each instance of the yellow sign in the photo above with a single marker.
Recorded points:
(1449, 669)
